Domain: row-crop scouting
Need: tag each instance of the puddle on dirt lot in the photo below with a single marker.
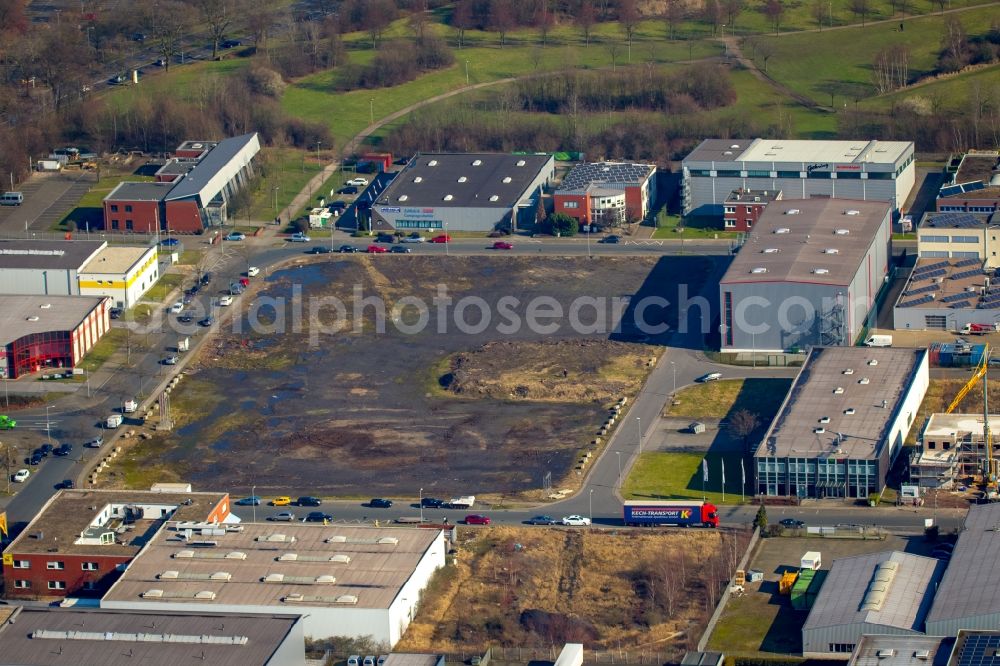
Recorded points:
(363, 413)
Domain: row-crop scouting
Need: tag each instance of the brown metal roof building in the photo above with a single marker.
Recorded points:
(807, 275)
(350, 581)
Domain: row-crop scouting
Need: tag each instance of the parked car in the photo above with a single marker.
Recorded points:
(185, 319)
(186, 299)
(283, 500)
(376, 249)
(317, 517)
(431, 503)
(66, 484)
(63, 450)
(477, 519)
(35, 459)
(207, 321)
(319, 249)
(45, 450)
(95, 443)
(542, 520)
(791, 522)
(170, 242)
(225, 300)
(206, 279)
(369, 661)
(354, 660)
(235, 236)
(253, 271)
(253, 500)
(21, 475)
(308, 501)
(399, 249)
(710, 377)
(115, 313)
(283, 517)
(299, 237)
(413, 238)
(503, 245)
(380, 503)
(443, 238)
(177, 307)
(231, 43)
(382, 658)
(350, 189)
(385, 238)
(7, 423)
(347, 249)
(576, 521)
(195, 288)
(171, 360)
(359, 181)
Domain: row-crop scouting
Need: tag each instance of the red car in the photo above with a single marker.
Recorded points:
(376, 249)
(443, 238)
(503, 245)
(476, 519)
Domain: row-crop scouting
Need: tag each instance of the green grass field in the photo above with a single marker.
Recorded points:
(112, 341)
(288, 170)
(666, 476)
(166, 284)
(718, 399)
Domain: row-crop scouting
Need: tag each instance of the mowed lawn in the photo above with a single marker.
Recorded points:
(678, 476)
(819, 64)
(720, 399)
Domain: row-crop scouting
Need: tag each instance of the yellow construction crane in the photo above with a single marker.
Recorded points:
(990, 468)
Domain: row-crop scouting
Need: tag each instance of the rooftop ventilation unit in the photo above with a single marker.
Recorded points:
(152, 594)
(782, 230)
(494, 198)
(32, 318)
(923, 655)
(337, 539)
(848, 371)
(521, 163)
(821, 271)
(45, 306)
(432, 163)
(849, 411)
(758, 270)
(874, 361)
(864, 381)
(448, 197)
(462, 179)
(852, 212)
(819, 431)
(347, 599)
(477, 162)
(507, 179)
(885, 654)
(770, 250)
(418, 179)
(824, 419)
(388, 541)
(842, 232)
(838, 390)
(403, 197)
(727, 152)
(831, 250)
(735, 146)
(792, 211)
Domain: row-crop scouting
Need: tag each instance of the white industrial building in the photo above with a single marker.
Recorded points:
(345, 581)
(862, 169)
(843, 422)
(808, 274)
(887, 593)
(122, 273)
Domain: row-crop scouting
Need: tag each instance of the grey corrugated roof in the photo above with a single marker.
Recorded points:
(23, 646)
(439, 175)
(45, 254)
(139, 191)
(216, 160)
(971, 586)
(906, 602)
(903, 648)
(54, 314)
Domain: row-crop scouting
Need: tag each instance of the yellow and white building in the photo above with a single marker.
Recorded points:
(122, 273)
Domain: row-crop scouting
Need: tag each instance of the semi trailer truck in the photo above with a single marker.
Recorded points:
(684, 514)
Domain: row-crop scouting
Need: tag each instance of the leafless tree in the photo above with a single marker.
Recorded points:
(167, 21)
(941, 4)
(544, 21)
(765, 49)
(218, 17)
(461, 19)
(713, 14)
(501, 19)
(628, 17)
(585, 18)
(891, 68)
(613, 48)
(742, 424)
(733, 9)
(954, 45)
(8, 460)
(774, 10)
(418, 18)
(376, 16)
(53, 56)
(673, 16)
(261, 17)
(818, 9)
(860, 8)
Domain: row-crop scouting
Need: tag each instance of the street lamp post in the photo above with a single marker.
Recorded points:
(447, 240)
(638, 422)
(48, 435)
(421, 505)
(673, 367)
(253, 501)
(591, 505)
(318, 144)
(276, 188)
(619, 453)
(466, 72)
(371, 109)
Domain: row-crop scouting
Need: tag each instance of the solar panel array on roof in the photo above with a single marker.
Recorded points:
(611, 173)
(956, 220)
(968, 262)
(925, 289)
(919, 301)
(960, 304)
(919, 270)
(964, 296)
(977, 650)
(950, 191)
(965, 274)
(972, 187)
(927, 275)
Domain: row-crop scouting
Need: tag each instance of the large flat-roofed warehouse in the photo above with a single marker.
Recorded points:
(969, 594)
(464, 192)
(122, 273)
(44, 267)
(808, 274)
(842, 423)
(349, 581)
(901, 650)
(68, 637)
(39, 333)
(862, 169)
(878, 593)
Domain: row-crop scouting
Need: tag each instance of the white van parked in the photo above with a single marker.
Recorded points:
(11, 199)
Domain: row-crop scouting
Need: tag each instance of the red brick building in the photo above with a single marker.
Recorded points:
(81, 540)
(607, 193)
(744, 207)
(191, 192)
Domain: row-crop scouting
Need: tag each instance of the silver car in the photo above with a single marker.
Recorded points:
(284, 517)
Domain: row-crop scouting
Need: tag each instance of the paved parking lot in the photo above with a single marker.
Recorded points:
(47, 198)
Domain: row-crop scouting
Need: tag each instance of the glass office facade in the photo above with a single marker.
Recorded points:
(833, 476)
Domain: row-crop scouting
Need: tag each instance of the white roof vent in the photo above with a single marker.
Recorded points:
(521, 163)
(432, 163)
(821, 271)
(341, 559)
(45, 306)
(824, 419)
(838, 390)
(864, 380)
(885, 654)
(831, 250)
(346, 599)
(922, 654)
(326, 579)
(205, 594)
(337, 539)
(418, 179)
(848, 371)
(770, 250)
(388, 541)
(462, 179)
(494, 197)
(169, 575)
(273, 578)
(852, 212)
(448, 197)
(874, 361)
(782, 230)
(819, 431)
(735, 146)
(850, 411)
(196, 145)
(152, 594)
(792, 211)
(727, 152)
(404, 197)
(507, 179)
(477, 162)
(842, 232)
(33, 318)
(758, 270)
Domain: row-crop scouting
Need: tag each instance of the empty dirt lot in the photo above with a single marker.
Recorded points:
(377, 410)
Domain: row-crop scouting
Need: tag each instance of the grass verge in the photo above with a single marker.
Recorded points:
(166, 284)
(678, 476)
(102, 351)
(718, 399)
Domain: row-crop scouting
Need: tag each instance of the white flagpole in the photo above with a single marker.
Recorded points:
(723, 461)
(743, 481)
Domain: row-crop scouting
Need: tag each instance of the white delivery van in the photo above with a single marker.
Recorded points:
(811, 560)
(11, 199)
(114, 421)
(879, 341)
(130, 406)
(463, 502)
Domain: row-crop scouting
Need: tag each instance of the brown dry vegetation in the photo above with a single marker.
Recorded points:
(940, 393)
(514, 586)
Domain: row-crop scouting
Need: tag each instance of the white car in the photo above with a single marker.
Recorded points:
(253, 271)
(21, 475)
(710, 377)
(576, 521)
(177, 308)
(299, 238)
(225, 300)
(412, 239)
(358, 181)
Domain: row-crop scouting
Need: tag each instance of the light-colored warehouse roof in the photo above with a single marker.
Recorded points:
(70, 513)
(804, 152)
(905, 650)
(62, 637)
(288, 565)
(835, 403)
(819, 241)
(216, 169)
(463, 180)
(47, 255)
(891, 588)
(26, 315)
(117, 259)
(948, 283)
(971, 586)
(975, 647)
